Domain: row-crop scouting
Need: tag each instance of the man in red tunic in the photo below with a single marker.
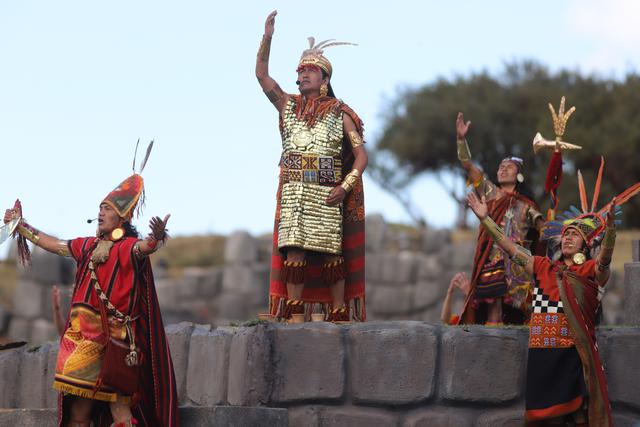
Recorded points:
(565, 378)
(114, 290)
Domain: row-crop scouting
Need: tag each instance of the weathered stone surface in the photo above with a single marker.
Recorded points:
(189, 283)
(208, 366)
(179, 337)
(392, 299)
(28, 299)
(229, 416)
(10, 361)
(42, 331)
(304, 416)
(20, 329)
(632, 294)
(233, 306)
(249, 367)
(401, 268)
(240, 279)
(356, 417)
(635, 250)
(434, 240)
(508, 418)
(49, 269)
(51, 399)
(440, 417)
(32, 387)
(393, 362)
(309, 363)
(211, 283)
(376, 229)
(620, 348)
(429, 267)
(482, 364)
(428, 293)
(241, 247)
(28, 417)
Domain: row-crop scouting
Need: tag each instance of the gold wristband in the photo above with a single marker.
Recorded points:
(63, 248)
(350, 180)
(355, 139)
(521, 257)
(493, 229)
(265, 49)
(464, 154)
(28, 232)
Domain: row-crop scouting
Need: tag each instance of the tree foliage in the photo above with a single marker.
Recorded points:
(506, 111)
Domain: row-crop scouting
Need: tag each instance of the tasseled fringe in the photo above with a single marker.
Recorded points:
(293, 272)
(89, 394)
(333, 272)
(357, 308)
(311, 111)
(101, 252)
(24, 253)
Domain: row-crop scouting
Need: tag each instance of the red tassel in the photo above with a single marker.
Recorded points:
(24, 253)
(333, 272)
(293, 272)
(554, 173)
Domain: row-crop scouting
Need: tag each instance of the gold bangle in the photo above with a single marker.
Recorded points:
(63, 248)
(28, 232)
(350, 180)
(493, 229)
(464, 154)
(609, 239)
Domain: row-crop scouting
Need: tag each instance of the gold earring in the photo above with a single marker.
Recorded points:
(324, 89)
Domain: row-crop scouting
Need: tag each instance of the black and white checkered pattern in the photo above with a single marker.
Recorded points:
(542, 303)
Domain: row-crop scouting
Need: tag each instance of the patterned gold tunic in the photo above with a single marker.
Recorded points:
(311, 166)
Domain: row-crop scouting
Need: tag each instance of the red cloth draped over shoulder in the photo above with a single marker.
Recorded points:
(497, 209)
(129, 284)
(353, 240)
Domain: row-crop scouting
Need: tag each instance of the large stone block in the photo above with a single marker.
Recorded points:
(429, 293)
(51, 400)
(239, 279)
(482, 364)
(189, 284)
(376, 230)
(309, 364)
(389, 300)
(241, 247)
(211, 283)
(10, 361)
(20, 329)
(33, 386)
(430, 267)
(356, 417)
(208, 366)
(28, 299)
(620, 348)
(49, 269)
(392, 363)
(635, 250)
(233, 307)
(400, 268)
(632, 293)
(502, 418)
(29, 417)
(230, 416)
(440, 417)
(43, 330)
(250, 367)
(434, 240)
(179, 337)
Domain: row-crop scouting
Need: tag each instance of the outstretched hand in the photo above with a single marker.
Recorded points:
(159, 227)
(477, 205)
(270, 24)
(461, 127)
(15, 212)
(611, 214)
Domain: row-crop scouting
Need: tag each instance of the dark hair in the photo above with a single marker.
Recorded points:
(330, 92)
(130, 230)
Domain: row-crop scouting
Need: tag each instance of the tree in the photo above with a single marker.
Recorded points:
(506, 111)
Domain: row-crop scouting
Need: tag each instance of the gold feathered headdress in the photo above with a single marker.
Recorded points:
(314, 55)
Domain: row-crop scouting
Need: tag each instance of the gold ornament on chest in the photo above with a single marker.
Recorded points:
(302, 138)
(579, 258)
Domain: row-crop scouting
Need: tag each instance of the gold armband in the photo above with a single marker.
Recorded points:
(265, 49)
(28, 232)
(521, 257)
(464, 155)
(493, 229)
(350, 180)
(63, 248)
(355, 139)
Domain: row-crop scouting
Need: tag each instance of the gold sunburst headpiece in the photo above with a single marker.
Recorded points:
(315, 54)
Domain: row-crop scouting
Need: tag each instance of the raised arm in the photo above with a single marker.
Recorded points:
(155, 239)
(517, 253)
(603, 261)
(35, 236)
(270, 87)
(474, 174)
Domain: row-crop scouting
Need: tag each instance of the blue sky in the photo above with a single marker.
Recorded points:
(81, 81)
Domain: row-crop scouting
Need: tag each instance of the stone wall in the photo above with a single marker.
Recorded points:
(404, 374)
(407, 272)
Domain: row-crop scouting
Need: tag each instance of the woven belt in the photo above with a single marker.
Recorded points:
(311, 169)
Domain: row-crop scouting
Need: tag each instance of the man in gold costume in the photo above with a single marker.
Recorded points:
(318, 258)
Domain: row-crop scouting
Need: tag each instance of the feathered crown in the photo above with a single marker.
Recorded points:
(130, 193)
(314, 55)
(588, 221)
